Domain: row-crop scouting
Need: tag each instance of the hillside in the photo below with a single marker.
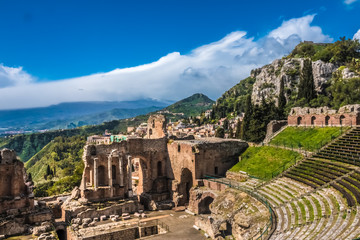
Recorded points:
(312, 75)
(191, 106)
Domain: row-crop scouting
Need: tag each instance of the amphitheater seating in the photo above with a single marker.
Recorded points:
(319, 198)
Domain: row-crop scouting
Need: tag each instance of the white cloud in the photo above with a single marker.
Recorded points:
(357, 35)
(348, 2)
(210, 69)
(10, 76)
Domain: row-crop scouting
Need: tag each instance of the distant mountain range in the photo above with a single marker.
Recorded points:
(75, 114)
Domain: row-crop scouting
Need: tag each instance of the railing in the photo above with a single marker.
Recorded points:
(270, 225)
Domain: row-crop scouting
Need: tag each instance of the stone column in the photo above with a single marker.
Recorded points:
(96, 182)
(130, 176)
(121, 171)
(110, 170)
(83, 181)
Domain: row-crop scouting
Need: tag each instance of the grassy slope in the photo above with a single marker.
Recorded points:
(262, 162)
(310, 139)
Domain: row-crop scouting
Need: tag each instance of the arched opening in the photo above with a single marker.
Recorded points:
(185, 185)
(150, 132)
(61, 234)
(327, 119)
(226, 229)
(313, 118)
(179, 148)
(113, 171)
(153, 124)
(159, 168)
(299, 119)
(92, 150)
(204, 205)
(101, 175)
(138, 175)
(342, 119)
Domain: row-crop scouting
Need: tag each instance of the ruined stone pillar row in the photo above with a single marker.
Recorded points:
(130, 176)
(83, 181)
(96, 182)
(121, 171)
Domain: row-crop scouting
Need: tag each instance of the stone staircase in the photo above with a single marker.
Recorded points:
(319, 198)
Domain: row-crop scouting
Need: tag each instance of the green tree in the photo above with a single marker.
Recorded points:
(282, 100)
(220, 133)
(238, 130)
(247, 117)
(226, 124)
(306, 85)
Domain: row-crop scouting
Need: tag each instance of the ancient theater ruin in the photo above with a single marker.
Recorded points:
(151, 173)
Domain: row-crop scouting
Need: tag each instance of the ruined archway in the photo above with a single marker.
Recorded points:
(101, 175)
(204, 205)
(342, 119)
(61, 234)
(139, 174)
(327, 118)
(159, 169)
(313, 118)
(299, 120)
(185, 185)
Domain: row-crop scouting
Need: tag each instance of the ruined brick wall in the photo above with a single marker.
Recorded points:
(274, 126)
(15, 193)
(156, 127)
(348, 115)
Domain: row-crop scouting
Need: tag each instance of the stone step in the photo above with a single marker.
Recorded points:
(354, 227)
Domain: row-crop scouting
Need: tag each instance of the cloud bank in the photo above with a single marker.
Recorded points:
(210, 69)
(357, 35)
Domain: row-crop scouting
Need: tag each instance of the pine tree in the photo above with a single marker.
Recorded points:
(231, 132)
(306, 85)
(220, 133)
(226, 124)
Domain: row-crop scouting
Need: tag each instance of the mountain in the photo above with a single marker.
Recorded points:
(61, 115)
(191, 106)
(27, 145)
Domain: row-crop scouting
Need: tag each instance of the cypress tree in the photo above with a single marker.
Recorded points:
(238, 129)
(306, 85)
(281, 100)
(247, 117)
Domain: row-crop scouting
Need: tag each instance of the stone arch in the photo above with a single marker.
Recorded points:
(204, 205)
(299, 120)
(101, 175)
(113, 170)
(327, 119)
(139, 163)
(313, 118)
(61, 234)
(342, 119)
(185, 184)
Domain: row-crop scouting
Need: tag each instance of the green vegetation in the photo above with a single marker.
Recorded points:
(342, 51)
(191, 106)
(266, 162)
(233, 101)
(309, 139)
(58, 167)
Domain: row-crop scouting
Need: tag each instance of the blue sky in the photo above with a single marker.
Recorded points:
(56, 46)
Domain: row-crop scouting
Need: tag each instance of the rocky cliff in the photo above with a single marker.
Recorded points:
(268, 78)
